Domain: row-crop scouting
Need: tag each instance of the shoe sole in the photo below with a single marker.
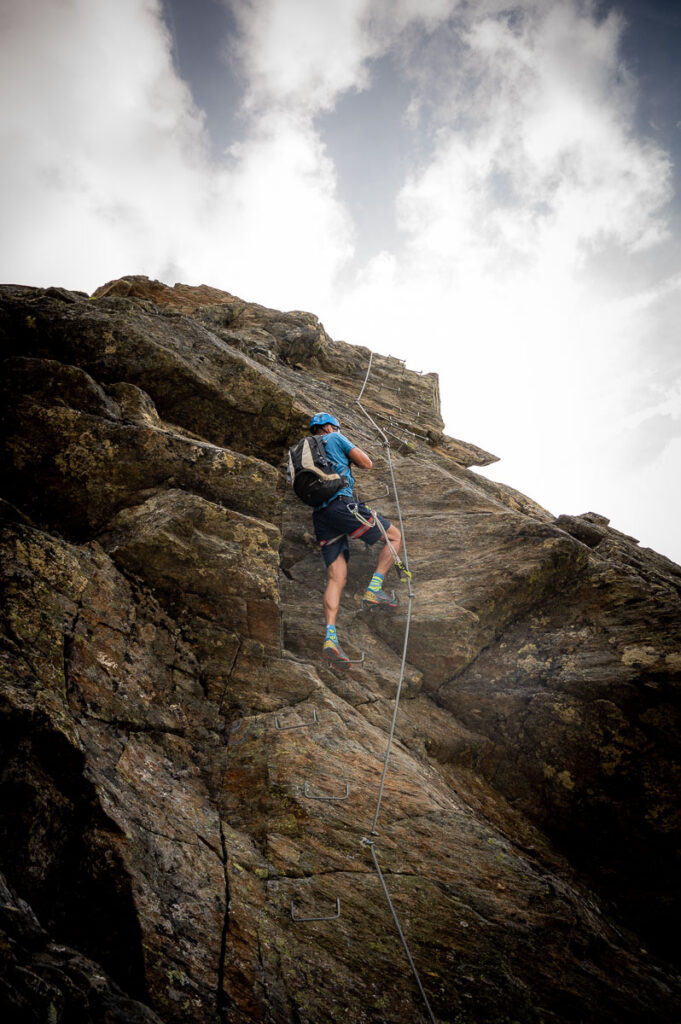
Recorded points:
(379, 604)
(342, 663)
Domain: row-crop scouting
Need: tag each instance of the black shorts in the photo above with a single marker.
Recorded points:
(336, 519)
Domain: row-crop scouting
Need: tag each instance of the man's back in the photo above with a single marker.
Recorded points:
(337, 447)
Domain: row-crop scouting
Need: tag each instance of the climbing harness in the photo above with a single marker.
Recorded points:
(367, 524)
(402, 570)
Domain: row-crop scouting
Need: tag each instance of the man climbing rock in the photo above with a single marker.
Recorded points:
(336, 520)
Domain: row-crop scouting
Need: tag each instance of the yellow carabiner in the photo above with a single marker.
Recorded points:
(402, 571)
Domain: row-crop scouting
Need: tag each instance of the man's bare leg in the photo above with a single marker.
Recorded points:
(385, 559)
(336, 578)
(375, 594)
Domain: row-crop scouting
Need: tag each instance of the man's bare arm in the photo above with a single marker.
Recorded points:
(360, 458)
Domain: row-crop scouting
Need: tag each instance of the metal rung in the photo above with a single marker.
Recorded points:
(356, 661)
(370, 501)
(314, 796)
(406, 430)
(300, 725)
(401, 440)
(233, 729)
(331, 917)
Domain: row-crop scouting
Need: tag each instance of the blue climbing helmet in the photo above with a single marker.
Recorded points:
(320, 418)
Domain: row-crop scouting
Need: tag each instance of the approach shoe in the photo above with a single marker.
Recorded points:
(334, 653)
(381, 597)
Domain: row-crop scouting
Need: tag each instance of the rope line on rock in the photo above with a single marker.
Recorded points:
(410, 594)
(386, 444)
(370, 842)
(371, 845)
(394, 720)
(366, 377)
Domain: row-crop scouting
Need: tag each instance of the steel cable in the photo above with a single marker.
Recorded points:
(410, 594)
(386, 444)
(370, 842)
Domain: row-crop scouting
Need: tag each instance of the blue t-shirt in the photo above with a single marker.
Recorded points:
(337, 447)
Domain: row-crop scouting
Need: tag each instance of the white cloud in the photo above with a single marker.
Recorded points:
(305, 53)
(534, 187)
(548, 116)
(302, 53)
(274, 219)
(503, 281)
(107, 162)
(102, 145)
(645, 502)
(106, 167)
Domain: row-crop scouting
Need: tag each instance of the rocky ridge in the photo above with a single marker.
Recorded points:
(169, 733)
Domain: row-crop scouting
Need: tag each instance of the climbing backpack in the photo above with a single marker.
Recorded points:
(311, 472)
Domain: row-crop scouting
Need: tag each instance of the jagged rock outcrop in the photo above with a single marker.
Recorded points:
(161, 624)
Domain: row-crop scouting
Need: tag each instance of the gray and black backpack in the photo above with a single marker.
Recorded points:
(311, 472)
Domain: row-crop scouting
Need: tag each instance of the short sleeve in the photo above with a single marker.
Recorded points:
(344, 443)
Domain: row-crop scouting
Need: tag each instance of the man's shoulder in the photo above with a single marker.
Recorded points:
(339, 441)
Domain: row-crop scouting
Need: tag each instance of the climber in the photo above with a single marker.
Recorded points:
(336, 520)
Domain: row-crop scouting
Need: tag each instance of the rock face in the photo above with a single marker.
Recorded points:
(179, 770)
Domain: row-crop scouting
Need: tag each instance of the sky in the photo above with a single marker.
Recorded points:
(487, 189)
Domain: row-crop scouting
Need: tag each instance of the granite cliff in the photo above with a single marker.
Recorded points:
(168, 731)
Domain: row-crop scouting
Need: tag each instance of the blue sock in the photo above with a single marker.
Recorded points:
(331, 634)
(376, 583)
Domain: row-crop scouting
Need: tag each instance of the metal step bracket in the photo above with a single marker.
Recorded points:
(370, 501)
(234, 728)
(330, 917)
(299, 725)
(316, 796)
